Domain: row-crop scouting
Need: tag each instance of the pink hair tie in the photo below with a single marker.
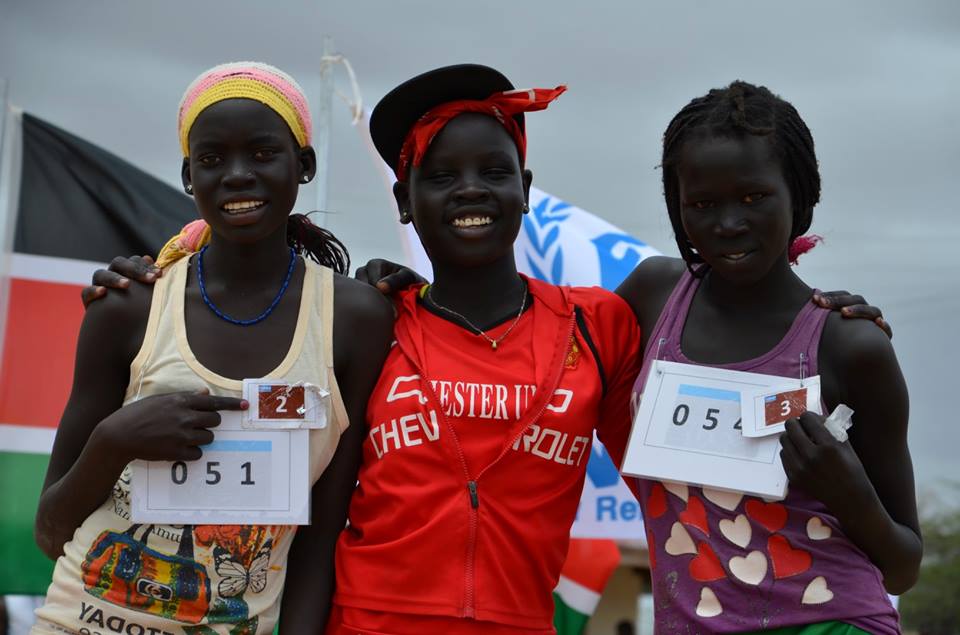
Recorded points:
(191, 234)
(801, 245)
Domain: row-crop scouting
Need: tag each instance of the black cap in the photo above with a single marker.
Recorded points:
(395, 114)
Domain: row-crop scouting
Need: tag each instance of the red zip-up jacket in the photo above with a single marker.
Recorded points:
(434, 533)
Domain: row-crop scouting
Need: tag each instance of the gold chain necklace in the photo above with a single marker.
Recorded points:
(493, 342)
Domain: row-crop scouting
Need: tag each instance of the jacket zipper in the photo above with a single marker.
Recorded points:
(472, 488)
(473, 496)
(470, 573)
(473, 493)
(540, 412)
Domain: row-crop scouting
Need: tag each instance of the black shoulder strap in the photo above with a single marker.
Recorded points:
(582, 325)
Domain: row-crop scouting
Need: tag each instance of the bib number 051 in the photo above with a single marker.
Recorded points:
(179, 472)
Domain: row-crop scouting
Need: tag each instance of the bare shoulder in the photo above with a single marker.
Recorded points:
(357, 300)
(858, 364)
(362, 333)
(654, 274)
(851, 345)
(362, 321)
(649, 285)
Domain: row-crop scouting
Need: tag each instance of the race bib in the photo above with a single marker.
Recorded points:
(712, 427)
(256, 471)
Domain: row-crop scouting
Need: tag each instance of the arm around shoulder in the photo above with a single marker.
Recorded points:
(648, 287)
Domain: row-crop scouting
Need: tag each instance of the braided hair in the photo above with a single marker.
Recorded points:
(316, 243)
(742, 108)
(306, 239)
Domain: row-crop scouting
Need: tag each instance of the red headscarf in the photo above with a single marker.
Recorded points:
(502, 106)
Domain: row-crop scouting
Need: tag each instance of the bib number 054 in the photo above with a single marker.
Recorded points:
(681, 416)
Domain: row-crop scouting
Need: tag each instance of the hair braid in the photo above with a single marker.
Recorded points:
(317, 243)
(673, 138)
(304, 237)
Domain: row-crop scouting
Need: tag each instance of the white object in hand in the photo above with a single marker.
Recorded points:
(839, 422)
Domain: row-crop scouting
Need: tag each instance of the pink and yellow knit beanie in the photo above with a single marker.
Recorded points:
(246, 80)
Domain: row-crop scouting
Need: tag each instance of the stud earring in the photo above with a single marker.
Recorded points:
(404, 216)
(305, 179)
(188, 188)
(526, 208)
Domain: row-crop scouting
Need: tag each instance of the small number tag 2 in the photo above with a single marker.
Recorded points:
(279, 401)
(280, 405)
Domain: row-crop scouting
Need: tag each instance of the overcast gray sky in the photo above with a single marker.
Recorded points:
(878, 82)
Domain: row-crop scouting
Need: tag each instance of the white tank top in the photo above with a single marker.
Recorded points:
(225, 579)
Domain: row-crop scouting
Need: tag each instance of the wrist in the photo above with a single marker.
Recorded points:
(855, 500)
(107, 449)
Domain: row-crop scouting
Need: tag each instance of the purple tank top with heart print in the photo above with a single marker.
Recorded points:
(723, 562)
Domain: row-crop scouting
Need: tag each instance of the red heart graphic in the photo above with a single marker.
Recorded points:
(657, 501)
(706, 566)
(773, 516)
(651, 550)
(695, 515)
(787, 561)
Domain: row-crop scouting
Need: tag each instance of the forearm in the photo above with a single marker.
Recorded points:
(894, 548)
(866, 482)
(310, 582)
(66, 503)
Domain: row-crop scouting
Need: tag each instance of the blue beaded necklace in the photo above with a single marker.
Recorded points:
(260, 318)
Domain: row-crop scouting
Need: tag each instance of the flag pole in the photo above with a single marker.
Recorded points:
(322, 126)
(8, 204)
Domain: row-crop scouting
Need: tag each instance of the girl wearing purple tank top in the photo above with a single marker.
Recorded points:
(740, 181)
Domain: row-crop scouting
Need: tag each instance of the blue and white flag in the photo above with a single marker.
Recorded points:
(563, 244)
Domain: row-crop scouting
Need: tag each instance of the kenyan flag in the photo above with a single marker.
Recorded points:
(66, 207)
(590, 563)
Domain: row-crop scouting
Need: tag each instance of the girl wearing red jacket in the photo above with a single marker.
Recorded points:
(481, 425)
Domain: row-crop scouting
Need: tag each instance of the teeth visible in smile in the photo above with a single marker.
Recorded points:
(242, 206)
(472, 221)
(736, 256)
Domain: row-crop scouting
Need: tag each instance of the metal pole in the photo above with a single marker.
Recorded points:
(7, 210)
(3, 119)
(322, 126)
